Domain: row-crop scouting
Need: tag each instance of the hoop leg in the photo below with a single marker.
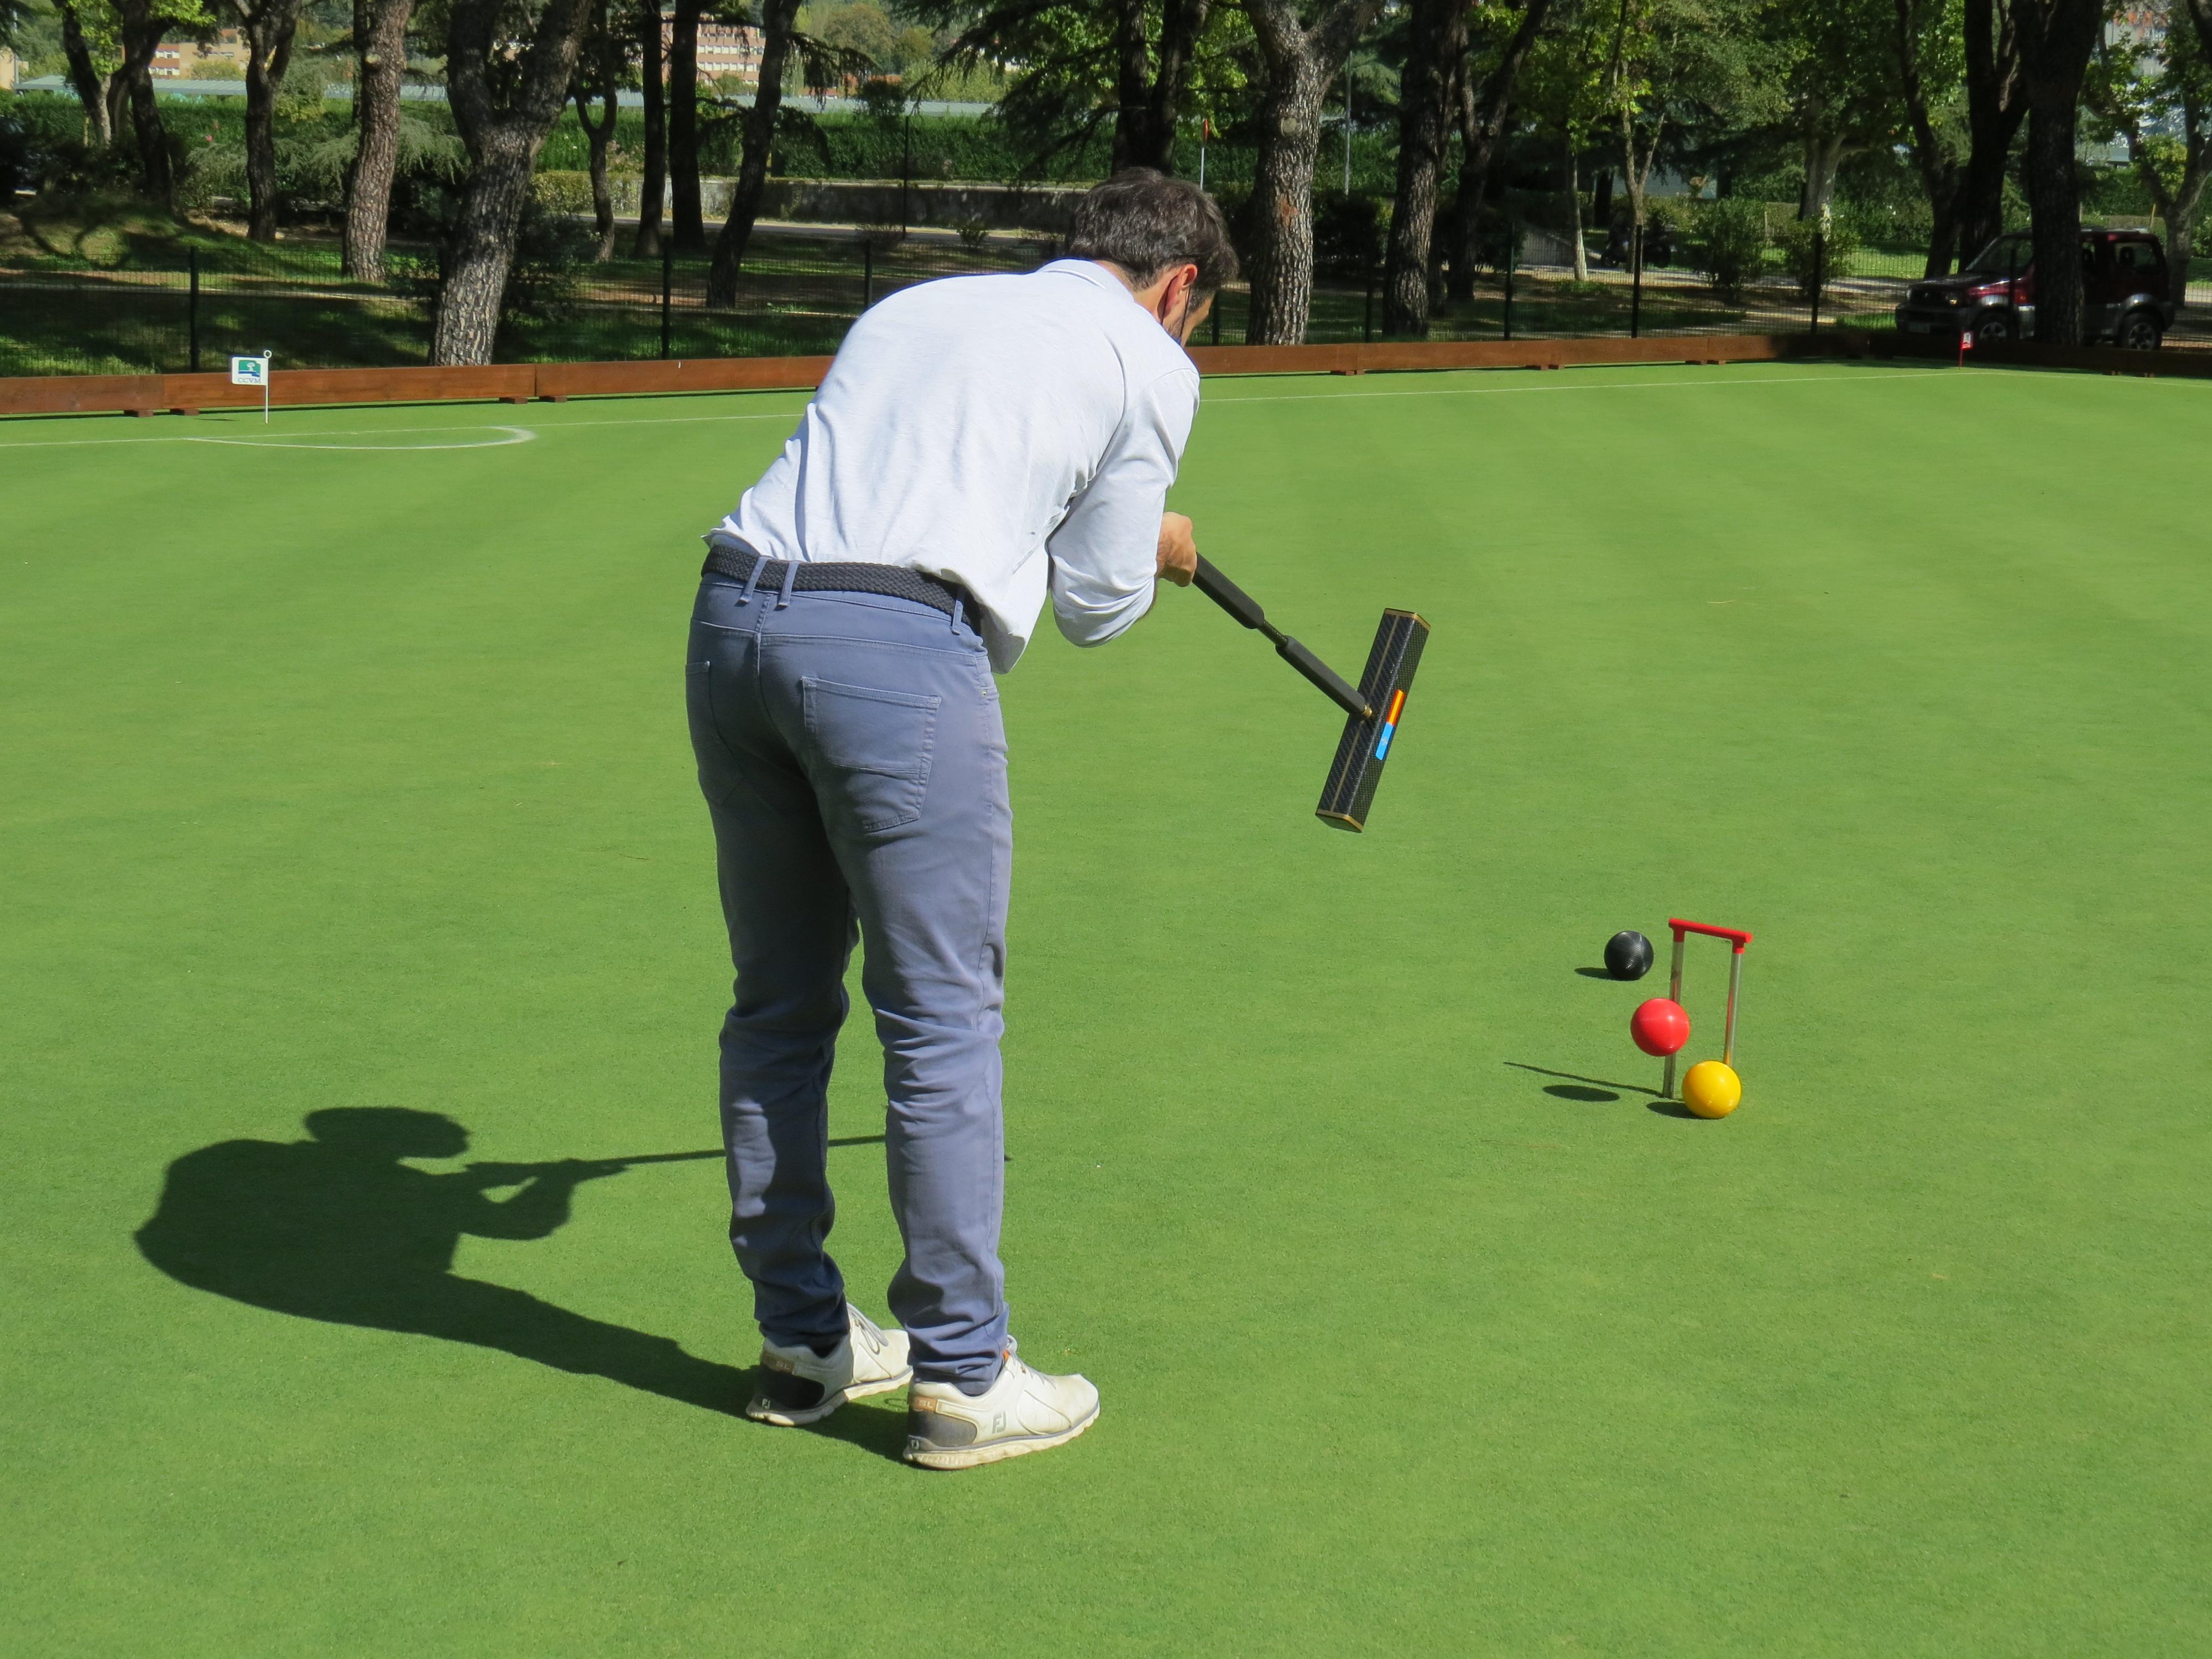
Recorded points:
(1673, 995)
(1735, 983)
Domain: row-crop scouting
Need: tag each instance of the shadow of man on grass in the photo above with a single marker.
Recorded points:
(338, 1227)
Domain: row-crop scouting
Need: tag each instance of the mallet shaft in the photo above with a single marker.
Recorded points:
(1243, 606)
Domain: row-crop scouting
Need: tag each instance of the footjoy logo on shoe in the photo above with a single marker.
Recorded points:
(998, 1423)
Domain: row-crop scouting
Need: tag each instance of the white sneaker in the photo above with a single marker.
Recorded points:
(1024, 1411)
(797, 1385)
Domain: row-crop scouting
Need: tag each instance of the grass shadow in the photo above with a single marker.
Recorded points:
(339, 1227)
(1577, 1076)
(1578, 1091)
(1667, 1107)
(1596, 973)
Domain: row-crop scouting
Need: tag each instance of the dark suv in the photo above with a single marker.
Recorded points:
(2123, 283)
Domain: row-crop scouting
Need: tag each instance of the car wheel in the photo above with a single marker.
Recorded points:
(2141, 331)
(1993, 328)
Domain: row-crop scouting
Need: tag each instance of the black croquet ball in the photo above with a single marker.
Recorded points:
(1628, 955)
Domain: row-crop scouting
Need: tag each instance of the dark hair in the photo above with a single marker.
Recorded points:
(1143, 222)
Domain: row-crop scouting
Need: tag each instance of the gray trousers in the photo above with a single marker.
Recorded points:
(853, 762)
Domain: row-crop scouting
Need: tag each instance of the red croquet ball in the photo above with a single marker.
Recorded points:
(1660, 1027)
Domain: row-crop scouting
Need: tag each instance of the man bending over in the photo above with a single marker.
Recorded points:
(980, 444)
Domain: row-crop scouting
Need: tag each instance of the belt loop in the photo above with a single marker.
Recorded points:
(956, 613)
(790, 575)
(752, 580)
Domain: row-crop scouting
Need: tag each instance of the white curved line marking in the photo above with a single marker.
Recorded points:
(516, 435)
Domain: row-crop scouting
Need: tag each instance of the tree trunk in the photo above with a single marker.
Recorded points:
(1482, 113)
(503, 137)
(689, 224)
(2056, 37)
(1824, 154)
(652, 188)
(381, 39)
(600, 59)
(267, 28)
(1575, 209)
(142, 29)
(84, 79)
(777, 20)
(1995, 109)
(1298, 64)
(479, 254)
(2054, 204)
(1132, 77)
(2200, 15)
(1181, 23)
(1942, 238)
(1436, 40)
(1939, 175)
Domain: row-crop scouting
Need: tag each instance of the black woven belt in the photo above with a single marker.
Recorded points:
(893, 581)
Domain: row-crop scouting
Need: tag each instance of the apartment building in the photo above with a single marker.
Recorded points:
(182, 60)
(726, 50)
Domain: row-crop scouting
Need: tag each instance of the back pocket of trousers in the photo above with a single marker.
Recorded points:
(871, 751)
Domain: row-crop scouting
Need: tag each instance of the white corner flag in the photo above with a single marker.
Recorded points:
(253, 371)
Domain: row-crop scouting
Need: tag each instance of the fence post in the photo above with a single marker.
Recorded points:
(1367, 312)
(1217, 320)
(1820, 274)
(868, 270)
(1635, 281)
(667, 297)
(192, 309)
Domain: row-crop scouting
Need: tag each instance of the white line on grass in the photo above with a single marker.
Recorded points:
(516, 435)
(370, 431)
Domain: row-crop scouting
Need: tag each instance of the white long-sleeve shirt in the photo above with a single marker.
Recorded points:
(1016, 434)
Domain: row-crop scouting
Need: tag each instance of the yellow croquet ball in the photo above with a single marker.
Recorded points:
(1712, 1089)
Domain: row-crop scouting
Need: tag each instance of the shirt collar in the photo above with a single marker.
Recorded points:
(1092, 272)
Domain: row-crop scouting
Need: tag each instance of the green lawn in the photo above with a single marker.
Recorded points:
(356, 776)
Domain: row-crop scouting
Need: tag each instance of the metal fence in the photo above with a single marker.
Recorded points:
(163, 310)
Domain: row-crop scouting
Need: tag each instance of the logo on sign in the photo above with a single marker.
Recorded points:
(249, 371)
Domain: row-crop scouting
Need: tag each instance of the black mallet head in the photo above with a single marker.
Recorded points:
(1373, 708)
(1366, 745)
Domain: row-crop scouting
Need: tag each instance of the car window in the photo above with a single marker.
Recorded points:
(2135, 256)
(2006, 255)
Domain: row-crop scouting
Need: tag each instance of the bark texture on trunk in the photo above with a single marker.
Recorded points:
(83, 78)
(380, 41)
(2056, 39)
(1995, 109)
(599, 82)
(1300, 63)
(778, 18)
(503, 137)
(652, 188)
(1181, 23)
(1939, 175)
(1435, 41)
(1482, 112)
(1575, 209)
(142, 30)
(1132, 76)
(267, 27)
(689, 223)
(1152, 78)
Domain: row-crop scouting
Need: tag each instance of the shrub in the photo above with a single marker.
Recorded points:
(565, 193)
(1835, 255)
(972, 231)
(1727, 239)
